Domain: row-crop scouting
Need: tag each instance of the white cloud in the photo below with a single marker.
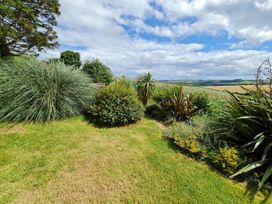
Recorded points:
(96, 26)
(246, 19)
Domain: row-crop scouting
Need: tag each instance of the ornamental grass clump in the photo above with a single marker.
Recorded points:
(34, 91)
(175, 104)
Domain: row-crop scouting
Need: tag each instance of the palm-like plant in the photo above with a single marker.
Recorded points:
(247, 123)
(145, 87)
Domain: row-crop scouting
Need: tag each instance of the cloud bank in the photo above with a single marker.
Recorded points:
(177, 39)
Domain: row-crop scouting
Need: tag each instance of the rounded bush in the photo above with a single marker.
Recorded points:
(34, 91)
(116, 105)
(71, 58)
(98, 71)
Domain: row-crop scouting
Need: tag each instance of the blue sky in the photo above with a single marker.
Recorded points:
(177, 39)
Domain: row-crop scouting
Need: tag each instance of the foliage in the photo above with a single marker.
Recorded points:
(122, 81)
(246, 123)
(53, 60)
(175, 104)
(115, 105)
(27, 26)
(202, 102)
(187, 136)
(226, 159)
(34, 91)
(155, 112)
(98, 71)
(145, 86)
(70, 58)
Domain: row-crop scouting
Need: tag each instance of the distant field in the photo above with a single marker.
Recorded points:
(236, 88)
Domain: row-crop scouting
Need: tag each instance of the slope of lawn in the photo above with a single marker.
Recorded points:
(71, 161)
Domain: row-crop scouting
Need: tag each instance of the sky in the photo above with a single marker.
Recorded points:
(172, 39)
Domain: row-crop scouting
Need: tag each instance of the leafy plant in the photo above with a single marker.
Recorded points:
(145, 86)
(122, 81)
(115, 105)
(246, 122)
(71, 58)
(226, 159)
(34, 91)
(175, 104)
(187, 136)
(155, 112)
(98, 71)
(202, 102)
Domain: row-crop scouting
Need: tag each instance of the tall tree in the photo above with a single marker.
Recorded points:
(27, 26)
(145, 86)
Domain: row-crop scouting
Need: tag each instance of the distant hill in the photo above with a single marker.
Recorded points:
(211, 82)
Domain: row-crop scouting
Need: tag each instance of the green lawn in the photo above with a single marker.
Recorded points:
(71, 161)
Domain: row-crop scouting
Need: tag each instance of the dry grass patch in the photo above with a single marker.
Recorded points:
(13, 129)
(235, 89)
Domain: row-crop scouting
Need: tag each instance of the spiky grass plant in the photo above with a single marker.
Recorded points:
(34, 91)
(246, 123)
(176, 104)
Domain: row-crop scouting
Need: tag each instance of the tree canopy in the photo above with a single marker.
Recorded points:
(71, 58)
(98, 71)
(27, 26)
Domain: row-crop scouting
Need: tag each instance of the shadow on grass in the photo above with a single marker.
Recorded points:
(252, 190)
(99, 125)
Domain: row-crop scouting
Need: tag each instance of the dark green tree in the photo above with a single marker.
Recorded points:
(71, 58)
(98, 71)
(27, 26)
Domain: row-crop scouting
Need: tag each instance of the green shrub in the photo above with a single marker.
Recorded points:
(122, 81)
(226, 159)
(116, 105)
(175, 104)
(71, 58)
(98, 71)
(154, 111)
(187, 136)
(202, 102)
(246, 123)
(34, 91)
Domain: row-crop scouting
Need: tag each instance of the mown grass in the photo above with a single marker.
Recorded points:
(71, 161)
